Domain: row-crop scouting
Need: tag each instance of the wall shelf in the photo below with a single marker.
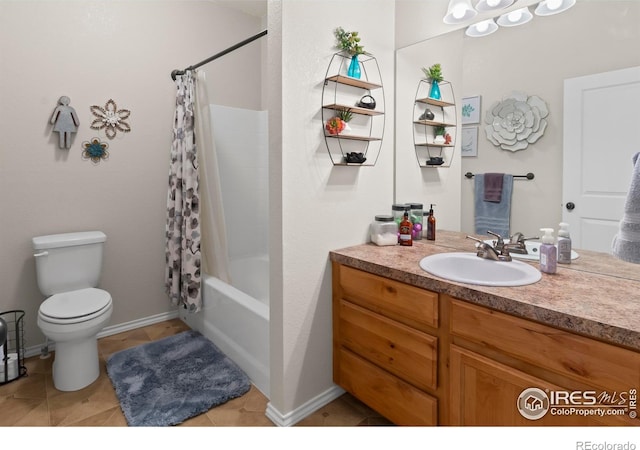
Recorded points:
(352, 137)
(354, 109)
(354, 82)
(444, 110)
(341, 92)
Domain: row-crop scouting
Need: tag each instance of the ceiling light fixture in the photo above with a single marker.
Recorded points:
(493, 5)
(550, 7)
(480, 29)
(459, 11)
(515, 18)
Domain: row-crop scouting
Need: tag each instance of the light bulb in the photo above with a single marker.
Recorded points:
(493, 3)
(515, 16)
(482, 26)
(554, 4)
(459, 11)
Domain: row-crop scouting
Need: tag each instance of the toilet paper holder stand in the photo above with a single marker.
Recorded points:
(12, 349)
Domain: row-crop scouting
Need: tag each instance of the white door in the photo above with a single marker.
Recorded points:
(601, 134)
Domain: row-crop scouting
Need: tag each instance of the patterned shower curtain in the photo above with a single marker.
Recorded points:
(183, 259)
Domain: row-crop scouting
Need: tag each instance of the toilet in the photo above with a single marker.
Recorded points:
(68, 270)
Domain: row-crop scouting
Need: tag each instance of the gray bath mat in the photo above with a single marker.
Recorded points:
(168, 381)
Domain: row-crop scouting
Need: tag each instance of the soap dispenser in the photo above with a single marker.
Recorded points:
(564, 244)
(548, 252)
(431, 225)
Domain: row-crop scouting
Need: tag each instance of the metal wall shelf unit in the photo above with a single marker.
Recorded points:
(341, 92)
(429, 153)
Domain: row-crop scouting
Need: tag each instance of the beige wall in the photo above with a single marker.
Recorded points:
(316, 207)
(91, 52)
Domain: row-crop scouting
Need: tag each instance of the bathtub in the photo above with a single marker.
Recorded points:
(236, 318)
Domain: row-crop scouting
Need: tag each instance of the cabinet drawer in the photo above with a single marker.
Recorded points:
(403, 351)
(594, 362)
(405, 303)
(395, 399)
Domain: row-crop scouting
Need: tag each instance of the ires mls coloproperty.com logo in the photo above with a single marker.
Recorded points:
(534, 403)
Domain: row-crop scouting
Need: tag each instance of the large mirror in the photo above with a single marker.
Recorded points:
(594, 36)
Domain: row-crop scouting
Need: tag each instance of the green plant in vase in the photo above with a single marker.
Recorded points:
(434, 74)
(439, 132)
(349, 42)
(345, 115)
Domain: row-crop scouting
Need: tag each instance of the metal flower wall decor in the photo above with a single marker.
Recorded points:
(110, 118)
(95, 150)
(516, 121)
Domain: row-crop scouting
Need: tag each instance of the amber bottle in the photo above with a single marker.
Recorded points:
(405, 228)
(431, 225)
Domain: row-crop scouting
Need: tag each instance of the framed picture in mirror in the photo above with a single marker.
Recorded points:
(469, 146)
(471, 110)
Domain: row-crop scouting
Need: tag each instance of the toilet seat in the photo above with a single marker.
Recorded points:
(75, 306)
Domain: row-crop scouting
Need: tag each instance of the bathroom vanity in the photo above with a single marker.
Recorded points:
(421, 350)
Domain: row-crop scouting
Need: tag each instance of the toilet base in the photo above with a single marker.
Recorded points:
(75, 364)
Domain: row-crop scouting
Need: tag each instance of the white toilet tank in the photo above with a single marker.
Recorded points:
(69, 261)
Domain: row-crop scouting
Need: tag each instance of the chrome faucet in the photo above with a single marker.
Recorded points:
(486, 251)
(516, 244)
(501, 251)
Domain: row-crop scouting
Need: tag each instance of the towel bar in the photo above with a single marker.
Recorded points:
(529, 176)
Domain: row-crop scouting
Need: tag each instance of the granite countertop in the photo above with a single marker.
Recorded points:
(596, 295)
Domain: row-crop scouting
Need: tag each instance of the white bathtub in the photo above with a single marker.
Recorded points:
(236, 318)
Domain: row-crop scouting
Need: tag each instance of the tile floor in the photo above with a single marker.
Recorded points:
(33, 401)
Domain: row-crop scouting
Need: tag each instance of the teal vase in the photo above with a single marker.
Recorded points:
(354, 67)
(434, 93)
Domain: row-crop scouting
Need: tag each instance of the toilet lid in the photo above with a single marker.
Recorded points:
(75, 304)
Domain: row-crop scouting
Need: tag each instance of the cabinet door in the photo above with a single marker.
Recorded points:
(484, 392)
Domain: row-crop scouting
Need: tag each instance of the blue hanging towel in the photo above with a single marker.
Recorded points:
(491, 215)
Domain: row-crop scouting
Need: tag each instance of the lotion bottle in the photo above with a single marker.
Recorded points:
(431, 225)
(564, 244)
(406, 227)
(548, 252)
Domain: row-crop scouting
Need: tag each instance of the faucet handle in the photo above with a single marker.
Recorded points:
(475, 239)
(485, 250)
(499, 243)
(496, 235)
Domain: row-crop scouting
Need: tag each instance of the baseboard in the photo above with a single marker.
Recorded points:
(295, 416)
(111, 330)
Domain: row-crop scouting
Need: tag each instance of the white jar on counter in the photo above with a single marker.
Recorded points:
(384, 230)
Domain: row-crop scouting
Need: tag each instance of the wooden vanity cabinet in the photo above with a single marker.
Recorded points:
(496, 356)
(423, 358)
(385, 349)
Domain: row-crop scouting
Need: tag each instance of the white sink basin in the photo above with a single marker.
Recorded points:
(471, 269)
(533, 251)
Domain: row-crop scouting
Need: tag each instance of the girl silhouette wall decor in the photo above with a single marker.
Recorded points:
(65, 121)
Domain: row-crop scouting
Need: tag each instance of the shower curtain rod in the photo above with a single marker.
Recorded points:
(218, 55)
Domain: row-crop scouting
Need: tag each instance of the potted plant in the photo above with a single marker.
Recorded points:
(345, 115)
(349, 42)
(439, 132)
(434, 74)
(335, 125)
(340, 122)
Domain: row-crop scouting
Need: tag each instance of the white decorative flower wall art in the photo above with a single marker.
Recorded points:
(110, 118)
(516, 121)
